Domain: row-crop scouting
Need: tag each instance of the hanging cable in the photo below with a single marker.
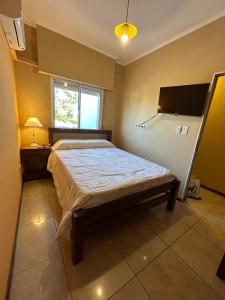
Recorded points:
(128, 4)
(142, 125)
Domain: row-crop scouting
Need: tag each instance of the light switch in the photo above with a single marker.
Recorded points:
(184, 130)
(178, 129)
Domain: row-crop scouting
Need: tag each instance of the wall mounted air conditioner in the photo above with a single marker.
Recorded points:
(14, 32)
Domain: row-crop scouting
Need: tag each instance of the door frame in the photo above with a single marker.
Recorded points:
(209, 98)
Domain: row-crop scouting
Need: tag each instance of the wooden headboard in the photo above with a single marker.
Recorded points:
(56, 134)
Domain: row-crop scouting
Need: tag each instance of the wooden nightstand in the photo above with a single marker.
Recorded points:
(34, 163)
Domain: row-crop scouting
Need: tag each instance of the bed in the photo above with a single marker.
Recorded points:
(95, 181)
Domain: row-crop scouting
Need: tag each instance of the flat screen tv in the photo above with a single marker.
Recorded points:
(183, 100)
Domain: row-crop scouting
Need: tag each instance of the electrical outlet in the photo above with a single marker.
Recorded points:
(140, 126)
(178, 129)
(184, 130)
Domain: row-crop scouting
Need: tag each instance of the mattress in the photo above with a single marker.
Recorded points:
(86, 178)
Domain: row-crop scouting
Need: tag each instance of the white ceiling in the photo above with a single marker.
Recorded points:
(91, 22)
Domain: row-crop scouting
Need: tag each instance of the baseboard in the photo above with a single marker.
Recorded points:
(9, 282)
(212, 190)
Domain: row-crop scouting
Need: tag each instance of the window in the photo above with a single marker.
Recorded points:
(76, 106)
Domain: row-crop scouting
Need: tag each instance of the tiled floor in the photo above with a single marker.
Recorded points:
(153, 255)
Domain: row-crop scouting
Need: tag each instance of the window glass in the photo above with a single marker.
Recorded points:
(76, 106)
(89, 108)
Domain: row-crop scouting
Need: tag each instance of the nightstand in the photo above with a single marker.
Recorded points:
(34, 163)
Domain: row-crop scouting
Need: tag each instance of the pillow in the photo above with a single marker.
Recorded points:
(81, 144)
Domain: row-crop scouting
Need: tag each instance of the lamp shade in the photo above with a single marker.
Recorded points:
(33, 122)
(125, 31)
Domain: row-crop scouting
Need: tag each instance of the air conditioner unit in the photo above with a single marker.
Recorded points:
(14, 32)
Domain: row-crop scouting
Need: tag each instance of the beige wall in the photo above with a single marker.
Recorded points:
(30, 54)
(11, 8)
(34, 88)
(210, 161)
(111, 105)
(34, 99)
(191, 59)
(10, 180)
(67, 58)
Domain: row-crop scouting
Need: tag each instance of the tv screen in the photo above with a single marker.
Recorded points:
(183, 100)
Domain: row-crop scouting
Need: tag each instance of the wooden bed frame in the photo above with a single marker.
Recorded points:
(221, 270)
(85, 218)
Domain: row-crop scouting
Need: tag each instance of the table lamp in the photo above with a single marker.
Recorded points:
(34, 123)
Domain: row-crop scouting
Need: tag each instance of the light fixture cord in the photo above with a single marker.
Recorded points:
(128, 4)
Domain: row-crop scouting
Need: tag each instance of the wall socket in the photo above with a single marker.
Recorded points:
(178, 129)
(184, 130)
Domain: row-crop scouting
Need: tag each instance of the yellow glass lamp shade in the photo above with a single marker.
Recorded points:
(125, 31)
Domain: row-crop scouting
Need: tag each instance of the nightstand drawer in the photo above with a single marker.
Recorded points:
(34, 163)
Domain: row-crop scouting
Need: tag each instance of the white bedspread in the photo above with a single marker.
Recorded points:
(88, 177)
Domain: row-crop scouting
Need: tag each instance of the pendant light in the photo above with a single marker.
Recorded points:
(126, 31)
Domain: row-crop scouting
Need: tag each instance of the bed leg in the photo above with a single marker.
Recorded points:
(77, 235)
(221, 270)
(172, 201)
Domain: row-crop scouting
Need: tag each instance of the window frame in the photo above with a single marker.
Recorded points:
(79, 86)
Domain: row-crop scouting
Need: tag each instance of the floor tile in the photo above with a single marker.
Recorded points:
(136, 242)
(31, 189)
(208, 202)
(49, 194)
(34, 213)
(117, 249)
(210, 196)
(170, 234)
(166, 224)
(185, 213)
(212, 226)
(169, 277)
(131, 291)
(41, 203)
(47, 187)
(64, 243)
(35, 243)
(102, 272)
(34, 200)
(45, 281)
(202, 256)
(56, 210)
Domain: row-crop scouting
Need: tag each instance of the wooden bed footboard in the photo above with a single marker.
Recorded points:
(84, 218)
(221, 270)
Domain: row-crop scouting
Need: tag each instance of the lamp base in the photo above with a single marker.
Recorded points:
(34, 145)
